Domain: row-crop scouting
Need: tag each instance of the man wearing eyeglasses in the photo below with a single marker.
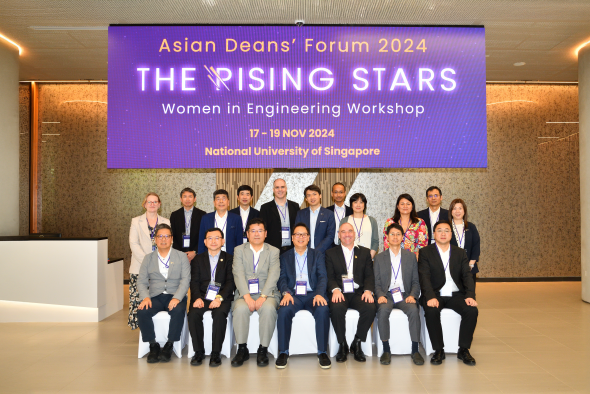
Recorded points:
(446, 282)
(163, 282)
(303, 284)
(434, 212)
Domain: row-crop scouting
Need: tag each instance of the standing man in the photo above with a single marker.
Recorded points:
(229, 223)
(279, 215)
(340, 210)
(256, 270)
(434, 212)
(246, 212)
(352, 283)
(397, 286)
(185, 223)
(212, 289)
(303, 284)
(446, 282)
(318, 219)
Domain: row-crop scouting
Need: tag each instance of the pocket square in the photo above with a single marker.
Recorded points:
(322, 221)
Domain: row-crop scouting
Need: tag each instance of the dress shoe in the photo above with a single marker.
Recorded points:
(242, 355)
(281, 362)
(417, 358)
(166, 352)
(198, 358)
(262, 356)
(215, 360)
(356, 349)
(385, 358)
(438, 357)
(154, 354)
(342, 353)
(464, 355)
(324, 360)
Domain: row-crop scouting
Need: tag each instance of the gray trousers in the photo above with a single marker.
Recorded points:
(412, 311)
(267, 315)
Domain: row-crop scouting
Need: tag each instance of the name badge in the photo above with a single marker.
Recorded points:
(348, 284)
(186, 241)
(301, 287)
(212, 291)
(396, 293)
(253, 286)
(285, 233)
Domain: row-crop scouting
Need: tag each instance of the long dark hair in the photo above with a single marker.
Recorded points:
(413, 215)
(455, 202)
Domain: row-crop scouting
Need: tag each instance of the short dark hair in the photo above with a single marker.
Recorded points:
(358, 196)
(189, 190)
(245, 188)
(220, 192)
(339, 183)
(313, 188)
(301, 224)
(212, 230)
(413, 215)
(162, 226)
(441, 222)
(431, 188)
(395, 226)
(256, 221)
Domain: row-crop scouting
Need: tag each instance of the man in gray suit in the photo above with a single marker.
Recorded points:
(256, 269)
(397, 286)
(163, 281)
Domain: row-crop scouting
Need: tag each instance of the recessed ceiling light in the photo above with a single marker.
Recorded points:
(519, 64)
(69, 27)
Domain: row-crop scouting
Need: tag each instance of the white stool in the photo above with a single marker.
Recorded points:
(352, 319)
(450, 322)
(254, 337)
(400, 341)
(161, 324)
(228, 341)
(303, 338)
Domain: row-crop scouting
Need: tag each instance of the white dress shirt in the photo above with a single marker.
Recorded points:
(244, 216)
(339, 214)
(450, 286)
(313, 219)
(349, 259)
(256, 257)
(163, 269)
(221, 223)
(396, 264)
(434, 218)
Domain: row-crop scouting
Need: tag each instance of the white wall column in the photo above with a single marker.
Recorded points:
(584, 110)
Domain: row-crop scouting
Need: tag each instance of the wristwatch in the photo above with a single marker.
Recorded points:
(285, 293)
(262, 296)
(220, 297)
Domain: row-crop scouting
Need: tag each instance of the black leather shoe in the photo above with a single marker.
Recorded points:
(242, 355)
(324, 360)
(154, 354)
(281, 362)
(342, 354)
(198, 358)
(166, 352)
(215, 360)
(385, 358)
(438, 357)
(417, 358)
(356, 349)
(464, 355)
(262, 356)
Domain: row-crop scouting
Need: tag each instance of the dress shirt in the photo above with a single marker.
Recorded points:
(163, 269)
(284, 214)
(256, 256)
(459, 234)
(188, 215)
(349, 259)
(244, 216)
(221, 223)
(434, 218)
(339, 214)
(450, 286)
(396, 264)
(313, 218)
(301, 269)
(213, 260)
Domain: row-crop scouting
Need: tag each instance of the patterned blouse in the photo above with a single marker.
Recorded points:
(415, 238)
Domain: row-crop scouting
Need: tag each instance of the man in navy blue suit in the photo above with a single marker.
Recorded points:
(228, 222)
(302, 283)
(319, 220)
(246, 212)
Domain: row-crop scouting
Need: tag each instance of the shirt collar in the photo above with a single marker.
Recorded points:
(304, 253)
(221, 217)
(316, 211)
(214, 257)
(392, 253)
(434, 212)
(244, 210)
(189, 211)
(164, 257)
(342, 208)
(255, 252)
(346, 250)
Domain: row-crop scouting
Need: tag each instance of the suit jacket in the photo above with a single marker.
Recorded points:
(151, 282)
(432, 272)
(471, 244)
(316, 272)
(254, 213)
(233, 231)
(201, 276)
(178, 228)
(325, 227)
(425, 215)
(270, 213)
(362, 269)
(268, 270)
(348, 210)
(383, 274)
(140, 241)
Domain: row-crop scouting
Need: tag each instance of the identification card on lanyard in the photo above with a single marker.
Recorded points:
(285, 233)
(396, 293)
(347, 284)
(301, 287)
(253, 286)
(212, 291)
(186, 241)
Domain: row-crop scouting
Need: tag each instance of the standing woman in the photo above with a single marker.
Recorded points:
(365, 227)
(465, 235)
(415, 231)
(142, 240)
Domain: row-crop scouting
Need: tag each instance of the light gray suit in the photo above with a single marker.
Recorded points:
(151, 282)
(267, 272)
(409, 273)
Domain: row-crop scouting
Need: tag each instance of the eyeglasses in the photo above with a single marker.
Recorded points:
(152, 202)
(433, 196)
(213, 238)
(443, 231)
(256, 231)
(300, 235)
(163, 237)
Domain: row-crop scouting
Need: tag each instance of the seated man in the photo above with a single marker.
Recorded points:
(446, 282)
(303, 283)
(352, 282)
(256, 269)
(212, 289)
(397, 286)
(164, 278)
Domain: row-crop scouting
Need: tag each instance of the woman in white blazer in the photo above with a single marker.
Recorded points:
(142, 241)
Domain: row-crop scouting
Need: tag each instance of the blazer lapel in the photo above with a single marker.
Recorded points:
(263, 258)
(407, 273)
(386, 280)
(143, 223)
(248, 261)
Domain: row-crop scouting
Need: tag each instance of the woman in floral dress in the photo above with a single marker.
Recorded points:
(415, 231)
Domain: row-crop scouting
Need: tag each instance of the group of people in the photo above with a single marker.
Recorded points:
(283, 259)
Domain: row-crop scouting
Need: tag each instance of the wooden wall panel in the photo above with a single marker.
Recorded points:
(328, 176)
(232, 178)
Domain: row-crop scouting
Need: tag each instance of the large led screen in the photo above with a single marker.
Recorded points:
(296, 97)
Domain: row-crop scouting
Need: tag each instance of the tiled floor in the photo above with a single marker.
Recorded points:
(531, 337)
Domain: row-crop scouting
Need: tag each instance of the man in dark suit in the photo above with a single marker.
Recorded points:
(212, 289)
(446, 282)
(318, 219)
(434, 212)
(246, 212)
(339, 208)
(185, 223)
(397, 286)
(303, 284)
(352, 282)
(229, 223)
(279, 215)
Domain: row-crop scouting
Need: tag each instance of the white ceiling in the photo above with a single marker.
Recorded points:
(541, 33)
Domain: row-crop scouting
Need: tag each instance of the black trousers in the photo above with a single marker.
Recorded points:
(338, 315)
(195, 325)
(468, 320)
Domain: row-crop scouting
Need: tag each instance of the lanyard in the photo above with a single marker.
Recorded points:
(213, 272)
(398, 268)
(284, 215)
(358, 232)
(440, 254)
(224, 224)
(338, 216)
(459, 239)
(303, 266)
(165, 263)
(437, 217)
(255, 265)
(187, 226)
(350, 262)
(153, 231)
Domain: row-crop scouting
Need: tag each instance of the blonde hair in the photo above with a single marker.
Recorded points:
(146, 197)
